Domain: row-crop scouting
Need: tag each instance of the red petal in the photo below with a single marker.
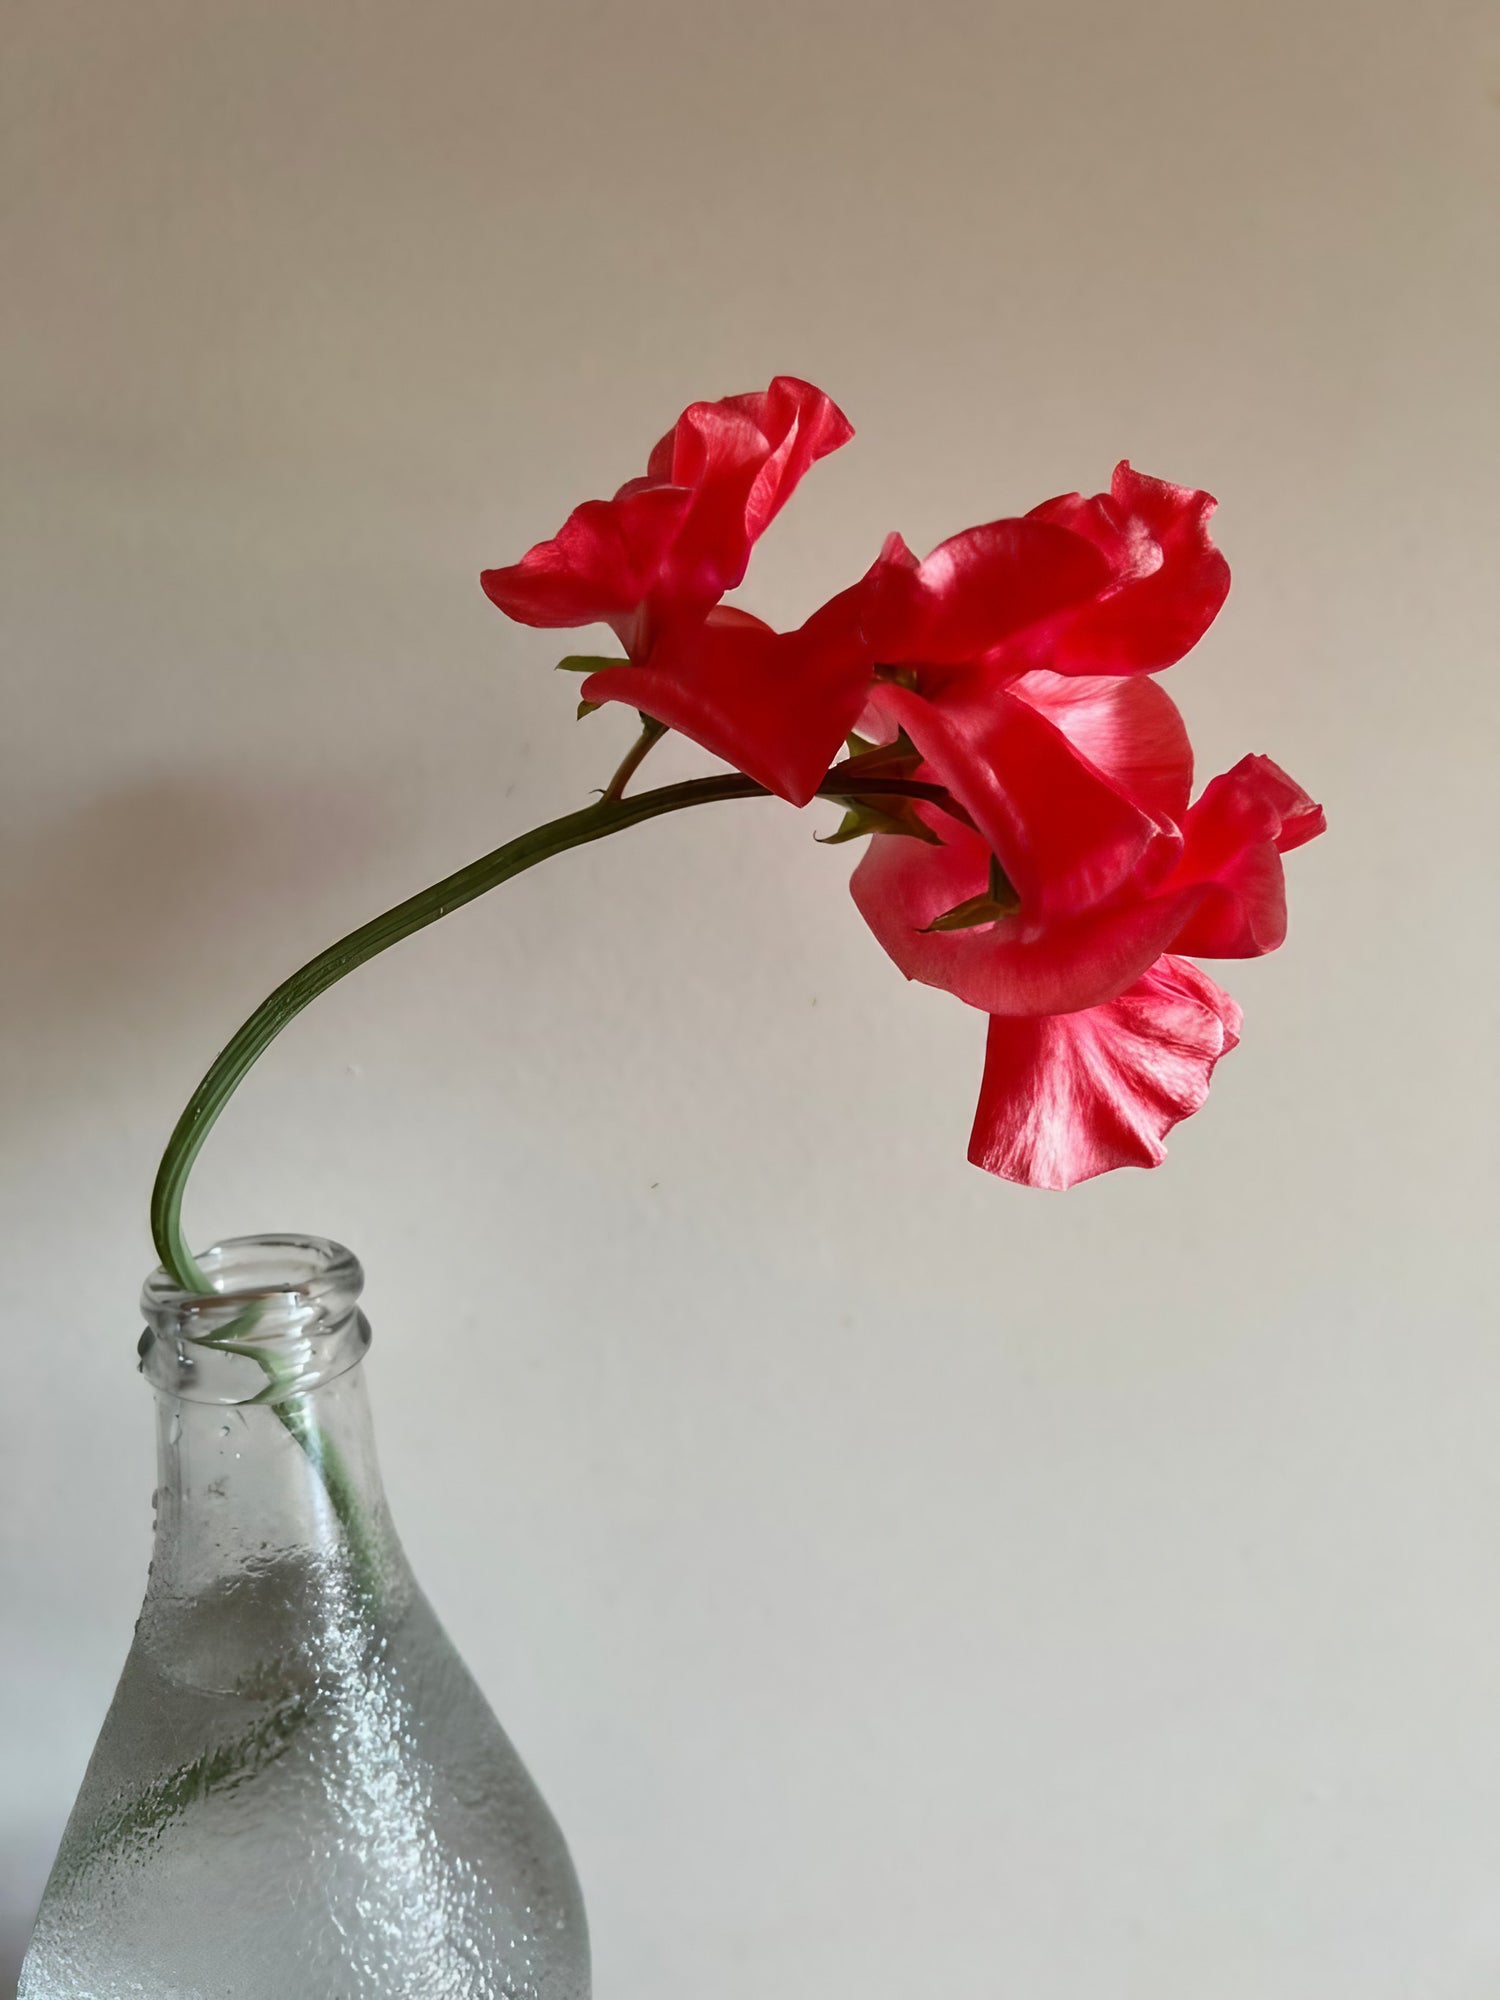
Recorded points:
(1235, 837)
(743, 458)
(1068, 1096)
(977, 590)
(1129, 730)
(681, 536)
(775, 705)
(1017, 966)
(1167, 583)
(1065, 835)
(600, 564)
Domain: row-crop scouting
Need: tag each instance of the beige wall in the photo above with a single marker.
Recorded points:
(900, 1583)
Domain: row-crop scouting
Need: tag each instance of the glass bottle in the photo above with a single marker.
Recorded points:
(299, 1793)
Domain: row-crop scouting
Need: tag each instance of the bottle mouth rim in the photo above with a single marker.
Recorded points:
(295, 1269)
(282, 1320)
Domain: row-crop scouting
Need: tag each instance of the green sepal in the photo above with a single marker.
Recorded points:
(898, 759)
(882, 812)
(587, 708)
(998, 901)
(971, 915)
(870, 816)
(587, 663)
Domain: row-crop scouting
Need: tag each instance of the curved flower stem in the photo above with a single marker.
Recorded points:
(651, 734)
(607, 815)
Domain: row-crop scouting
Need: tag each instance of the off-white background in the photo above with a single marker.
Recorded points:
(900, 1583)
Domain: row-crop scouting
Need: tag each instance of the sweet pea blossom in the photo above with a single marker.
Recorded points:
(1078, 791)
(665, 549)
(654, 562)
(1070, 878)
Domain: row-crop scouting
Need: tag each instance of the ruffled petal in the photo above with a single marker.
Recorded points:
(775, 705)
(668, 546)
(598, 567)
(978, 590)
(1167, 580)
(1235, 837)
(743, 458)
(1069, 1096)
(1129, 729)
(1019, 965)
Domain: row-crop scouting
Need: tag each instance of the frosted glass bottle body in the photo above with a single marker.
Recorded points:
(299, 1793)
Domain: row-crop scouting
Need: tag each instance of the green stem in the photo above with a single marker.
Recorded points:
(606, 816)
(294, 1413)
(651, 734)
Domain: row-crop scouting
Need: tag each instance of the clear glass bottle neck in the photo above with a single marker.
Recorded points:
(239, 1485)
(266, 1458)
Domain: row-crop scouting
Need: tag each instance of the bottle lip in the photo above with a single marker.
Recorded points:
(243, 1269)
(281, 1320)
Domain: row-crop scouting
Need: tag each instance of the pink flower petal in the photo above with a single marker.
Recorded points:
(599, 565)
(775, 705)
(1069, 1096)
(1066, 836)
(1235, 837)
(743, 457)
(1128, 729)
(977, 590)
(668, 546)
(1168, 579)
(1021, 965)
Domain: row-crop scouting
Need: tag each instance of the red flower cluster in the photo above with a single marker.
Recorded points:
(1068, 892)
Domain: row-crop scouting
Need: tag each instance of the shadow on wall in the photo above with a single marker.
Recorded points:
(134, 921)
(13, 1940)
(24, 1861)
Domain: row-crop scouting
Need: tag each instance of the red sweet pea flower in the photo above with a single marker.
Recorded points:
(1078, 791)
(669, 545)
(1069, 875)
(654, 562)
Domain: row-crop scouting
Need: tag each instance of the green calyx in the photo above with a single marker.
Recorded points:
(864, 816)
(999, 900)
(884, 813)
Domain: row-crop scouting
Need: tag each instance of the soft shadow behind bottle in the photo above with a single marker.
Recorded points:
(298, 1788)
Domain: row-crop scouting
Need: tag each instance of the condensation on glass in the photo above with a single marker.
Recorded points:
(299, 1793)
